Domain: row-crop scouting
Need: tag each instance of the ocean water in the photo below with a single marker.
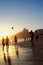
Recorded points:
(12, 41)
(20, 40)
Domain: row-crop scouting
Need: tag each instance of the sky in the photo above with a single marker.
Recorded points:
(20, 14)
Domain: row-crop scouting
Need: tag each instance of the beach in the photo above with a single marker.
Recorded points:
(27, 54)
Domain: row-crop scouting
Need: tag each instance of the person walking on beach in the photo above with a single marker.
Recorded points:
(32, 38)
(36, 35)
(15, 39)
(3, 43)
(16, 46)
(32, 42)
(7, 50)
(7, 43)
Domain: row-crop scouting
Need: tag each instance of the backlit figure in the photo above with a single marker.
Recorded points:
(7, 43)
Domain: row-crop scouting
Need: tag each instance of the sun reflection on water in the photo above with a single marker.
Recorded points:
(11, 50)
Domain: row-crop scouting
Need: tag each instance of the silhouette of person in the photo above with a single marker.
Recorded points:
(16, 46)
(36, 35)
(32, 38)
(7, 43)
(15, 40)
(3, 43)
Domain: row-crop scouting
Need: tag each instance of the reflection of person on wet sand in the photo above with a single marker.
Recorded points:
(8, 58)
(4, 57)
(16, 46)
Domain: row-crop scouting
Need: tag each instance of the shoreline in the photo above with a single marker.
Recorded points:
(25, 44)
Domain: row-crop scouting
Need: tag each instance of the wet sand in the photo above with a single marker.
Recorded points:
(27, 55)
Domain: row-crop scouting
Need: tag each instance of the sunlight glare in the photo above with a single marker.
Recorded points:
(4, 34)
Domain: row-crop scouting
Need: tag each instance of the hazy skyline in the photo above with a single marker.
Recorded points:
(20, 14)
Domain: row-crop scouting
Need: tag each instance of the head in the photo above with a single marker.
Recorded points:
(6, 37)
(31, 31)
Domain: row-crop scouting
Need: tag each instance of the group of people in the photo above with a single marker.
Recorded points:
(5, 42)
(34, 36)
(5, 46)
